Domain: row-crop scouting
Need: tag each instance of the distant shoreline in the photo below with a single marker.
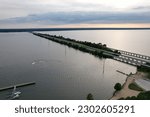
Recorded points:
(64, 29)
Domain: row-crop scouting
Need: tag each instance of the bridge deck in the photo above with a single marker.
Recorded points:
(145, 57)
(124, 56)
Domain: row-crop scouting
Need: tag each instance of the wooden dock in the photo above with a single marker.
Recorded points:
(18, 85)
(122, 73)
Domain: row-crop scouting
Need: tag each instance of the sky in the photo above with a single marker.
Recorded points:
(74, 13)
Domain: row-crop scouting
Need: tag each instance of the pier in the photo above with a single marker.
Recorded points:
(18, 85)
(122, 72)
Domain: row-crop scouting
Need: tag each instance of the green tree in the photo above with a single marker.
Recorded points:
(89, 97)
(117, 86)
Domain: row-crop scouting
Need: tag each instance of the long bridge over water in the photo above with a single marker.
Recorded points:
(121, 55)
(132, 58)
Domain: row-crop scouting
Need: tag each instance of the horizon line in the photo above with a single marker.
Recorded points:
(69, 29)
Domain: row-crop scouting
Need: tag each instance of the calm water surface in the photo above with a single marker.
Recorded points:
(61, 72)
(131, 40)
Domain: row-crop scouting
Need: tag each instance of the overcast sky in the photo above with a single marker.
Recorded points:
(47, 13)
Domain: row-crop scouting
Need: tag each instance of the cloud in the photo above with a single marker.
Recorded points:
(63, 18)
(141, 8)
(17, 8)
(61, 12)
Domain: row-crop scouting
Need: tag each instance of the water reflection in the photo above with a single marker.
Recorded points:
(129, 40)
(59, 72)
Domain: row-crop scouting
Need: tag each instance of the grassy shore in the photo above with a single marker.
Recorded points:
(126, 91)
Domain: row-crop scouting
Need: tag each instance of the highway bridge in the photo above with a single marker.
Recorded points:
(119, 55)
(132, 58)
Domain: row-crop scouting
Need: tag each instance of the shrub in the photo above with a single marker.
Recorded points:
(117, 86)
(144, 95)
(141, 96)
(89, 97)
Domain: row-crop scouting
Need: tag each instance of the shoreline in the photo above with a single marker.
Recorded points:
(125, 91)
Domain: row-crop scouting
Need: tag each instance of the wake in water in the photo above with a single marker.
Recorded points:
(38, 61)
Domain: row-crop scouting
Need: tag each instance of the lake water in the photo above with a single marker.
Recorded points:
(64, 73)
(131, 40)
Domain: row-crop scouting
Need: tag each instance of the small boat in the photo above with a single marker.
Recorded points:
(15, 94)
(15, 97)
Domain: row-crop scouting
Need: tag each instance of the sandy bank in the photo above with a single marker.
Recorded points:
(125, 91)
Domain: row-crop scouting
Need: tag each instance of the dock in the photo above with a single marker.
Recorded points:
(122, 72)
(18, 85)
